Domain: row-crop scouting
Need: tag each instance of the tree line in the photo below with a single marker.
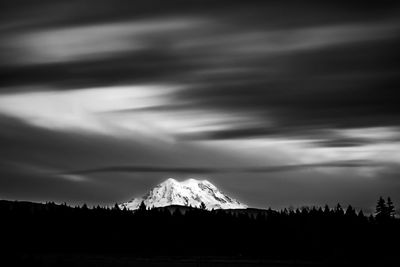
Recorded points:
(307, 233)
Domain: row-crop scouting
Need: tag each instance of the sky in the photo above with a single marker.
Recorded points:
(277, 105)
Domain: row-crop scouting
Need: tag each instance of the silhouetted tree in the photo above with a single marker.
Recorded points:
(371, 218)
(339, 210)
(350, 212)
(360, 214)
(202, 206)
(390, 210)
(142, 206)
(326, 210)
(381, 208)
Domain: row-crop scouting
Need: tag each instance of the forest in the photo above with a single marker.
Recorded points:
(316, 234)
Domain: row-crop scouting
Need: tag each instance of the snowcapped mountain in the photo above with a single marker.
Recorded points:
(190, 192)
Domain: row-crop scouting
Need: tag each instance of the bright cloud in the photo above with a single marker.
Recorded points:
(133, 112)
(83, 109)
(129, 111)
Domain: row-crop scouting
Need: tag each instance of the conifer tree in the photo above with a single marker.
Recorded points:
(326, 209)
(381, 208)
(360, 214)
(390, 210)
(142, 206)
(350, 212)
(339, 210)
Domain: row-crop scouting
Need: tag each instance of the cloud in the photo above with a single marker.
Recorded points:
(144, 169)
(84, 109)
(131, 111)
(80, 43)
(154, 64)
(257, 77)
(207, 170)
(360, 137)
(333, 164)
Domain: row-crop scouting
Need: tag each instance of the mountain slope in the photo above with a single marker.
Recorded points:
(190, 192)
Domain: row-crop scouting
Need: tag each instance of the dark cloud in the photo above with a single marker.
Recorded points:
(151, 65)
(152, 169)
(347, 86)
(207, 170)
(56, 150)
(332, 164)
(232, 133)
(344, 142)
(229, 24)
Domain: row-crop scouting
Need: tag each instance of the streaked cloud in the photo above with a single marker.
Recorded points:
(205, 170)
(84, 109)
(78, 43)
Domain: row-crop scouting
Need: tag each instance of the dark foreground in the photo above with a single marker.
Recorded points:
(58, 235)
(91, 260)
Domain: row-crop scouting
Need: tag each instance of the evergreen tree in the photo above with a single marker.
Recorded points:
(350, 212)
(381, 208)
(339, 210)
(371, 218)
(202, 206)
(390, 210)
(360, 214)
(142, 206)
(327, 210)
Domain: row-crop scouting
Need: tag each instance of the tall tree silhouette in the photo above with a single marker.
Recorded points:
(142, 206)
(381, 208)
(339, 210)
(350, 212)
(390, 208)
(116, 207)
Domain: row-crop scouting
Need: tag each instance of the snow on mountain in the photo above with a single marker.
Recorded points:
(190, 192)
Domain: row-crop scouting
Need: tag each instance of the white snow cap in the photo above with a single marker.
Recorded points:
(190, 192)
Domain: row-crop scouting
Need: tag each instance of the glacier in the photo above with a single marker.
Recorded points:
(190, 192)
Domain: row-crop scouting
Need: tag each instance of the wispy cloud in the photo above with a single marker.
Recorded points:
(83, 109)
(207, 170)
(101, 40)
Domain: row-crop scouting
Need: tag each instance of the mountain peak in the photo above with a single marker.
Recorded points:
(190, 192)
(169, 180)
